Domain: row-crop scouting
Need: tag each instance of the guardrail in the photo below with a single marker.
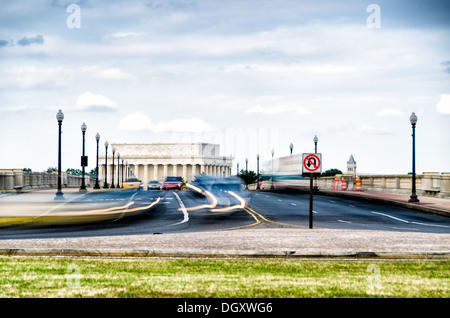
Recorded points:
(14, 180)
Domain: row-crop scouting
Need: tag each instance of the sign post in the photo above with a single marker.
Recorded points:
(311, 167)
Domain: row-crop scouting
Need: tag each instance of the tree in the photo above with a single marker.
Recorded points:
(52, 169)
(248, 177)
(73, 172)
(331, 172)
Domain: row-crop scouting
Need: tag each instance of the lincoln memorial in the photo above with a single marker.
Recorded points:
(156, 161)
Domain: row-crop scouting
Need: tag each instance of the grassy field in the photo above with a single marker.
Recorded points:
(114, 278)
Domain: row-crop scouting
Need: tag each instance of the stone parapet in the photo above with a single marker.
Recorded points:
(16, 180)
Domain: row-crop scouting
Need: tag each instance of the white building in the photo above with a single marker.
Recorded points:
(156, 161)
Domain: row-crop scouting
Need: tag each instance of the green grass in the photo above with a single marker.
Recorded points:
(95, 277)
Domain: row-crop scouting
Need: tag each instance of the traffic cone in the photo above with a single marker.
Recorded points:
(344, 184)
(358, 184)
(335, 183)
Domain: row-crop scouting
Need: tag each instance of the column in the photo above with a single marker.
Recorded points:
(145, 179)
(194, 170)
(155, 172)
(174, 170)
(165, 171)
(184, 172)
(202, 168)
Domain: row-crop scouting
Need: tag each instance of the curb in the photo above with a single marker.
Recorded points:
(223, 254)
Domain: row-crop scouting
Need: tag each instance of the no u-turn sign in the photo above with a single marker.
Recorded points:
(312, 163)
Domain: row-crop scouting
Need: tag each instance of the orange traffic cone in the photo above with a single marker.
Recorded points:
(358, 184)
(344, 184)
(336, 183)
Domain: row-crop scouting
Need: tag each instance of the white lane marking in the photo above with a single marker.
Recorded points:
(314, 211)
(342, 221)
(293, 204)
(183, 209)
(390, 216)
(418, 223)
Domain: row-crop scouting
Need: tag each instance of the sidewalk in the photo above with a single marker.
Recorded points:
(439, 206)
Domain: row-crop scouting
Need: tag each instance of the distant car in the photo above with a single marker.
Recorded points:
(154, 185)
(172, 183)
(132, 183)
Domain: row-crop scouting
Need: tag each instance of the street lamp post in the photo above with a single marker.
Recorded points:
(97, 186)
(112, 172)
(257, 172)
(271, 185)
(315, 139)
(237, 169)
(105, 186)
(246, 164)
(118, 170)
(291, 147)
(83, 159)
(413, 119)
(59, 193)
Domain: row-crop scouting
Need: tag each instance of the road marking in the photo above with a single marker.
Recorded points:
(342, 221)
(279, 200)
(183, 209)
(390, 216)
(293, 204)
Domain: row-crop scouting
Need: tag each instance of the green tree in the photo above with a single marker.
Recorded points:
(73, 172)
(52, 169)
(331, 172)
(248, 177)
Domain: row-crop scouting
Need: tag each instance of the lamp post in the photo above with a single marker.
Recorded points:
(118, 170)
(413, 119)
(83, 159)
(112, 172)
(105, 186)
(97, 186)
(291, 147)
(271, 185)
(257, 172)
(59, 193)
(315, 139)
(237, 169)
(246, 164)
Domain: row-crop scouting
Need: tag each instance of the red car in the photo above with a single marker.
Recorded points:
(172, 183)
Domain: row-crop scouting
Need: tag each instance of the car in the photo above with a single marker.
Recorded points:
(154, 185)
(132, 183)
(172, 183)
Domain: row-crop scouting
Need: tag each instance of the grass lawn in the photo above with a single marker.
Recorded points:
(187, 278)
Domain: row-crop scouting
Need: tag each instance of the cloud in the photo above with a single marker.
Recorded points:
(89, 101)
(140, 122)
(443, 106)
(135, 122)
(38, 39)
(292, 107)
(389, 112)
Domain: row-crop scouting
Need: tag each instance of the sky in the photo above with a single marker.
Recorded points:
(251, 75)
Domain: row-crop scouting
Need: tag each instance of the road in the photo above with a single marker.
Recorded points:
(125, 212)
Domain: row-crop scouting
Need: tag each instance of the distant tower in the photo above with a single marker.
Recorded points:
(351, 166)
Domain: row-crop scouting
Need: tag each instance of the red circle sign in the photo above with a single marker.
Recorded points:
(311, 162)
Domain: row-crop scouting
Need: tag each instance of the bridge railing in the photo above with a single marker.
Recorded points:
(15, 180)
(427, 184)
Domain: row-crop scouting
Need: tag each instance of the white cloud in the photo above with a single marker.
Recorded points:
(443, 106)
(135, 122)
(389, 112)
(258, 109)
(89, 101)
(140, 122)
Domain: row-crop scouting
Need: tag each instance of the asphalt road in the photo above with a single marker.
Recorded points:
(151, 212)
